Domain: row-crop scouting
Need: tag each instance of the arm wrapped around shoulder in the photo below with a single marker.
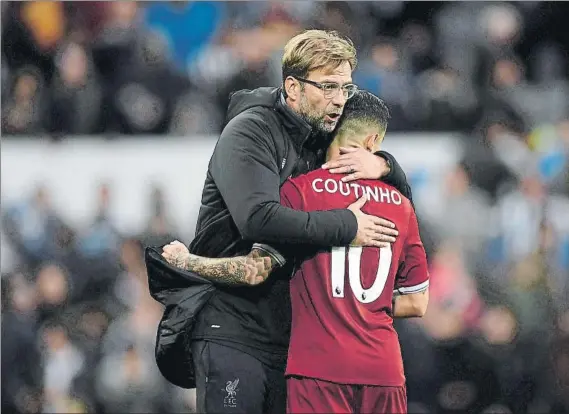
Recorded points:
(396, 176)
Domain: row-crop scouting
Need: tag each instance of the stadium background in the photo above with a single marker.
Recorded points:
(110, 112)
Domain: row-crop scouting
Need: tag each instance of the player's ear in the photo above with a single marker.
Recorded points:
(371, 142)
(292, 88)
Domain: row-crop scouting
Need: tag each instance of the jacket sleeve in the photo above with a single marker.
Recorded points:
(396, 176)
(245, 169)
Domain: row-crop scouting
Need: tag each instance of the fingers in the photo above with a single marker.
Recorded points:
(342, 161)
(371, 242)
(346, 150)
(379, 232)
(351, 177)
(378, 244)
(382, 222)
(342, 170)
(173, 249)
(380, 237)
(175, 246)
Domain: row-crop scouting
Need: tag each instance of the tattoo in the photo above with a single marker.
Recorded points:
(252, 269)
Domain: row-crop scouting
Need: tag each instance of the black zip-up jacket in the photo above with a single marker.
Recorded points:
(263, 143)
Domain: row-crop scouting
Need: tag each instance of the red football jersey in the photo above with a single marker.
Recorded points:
(341, 298)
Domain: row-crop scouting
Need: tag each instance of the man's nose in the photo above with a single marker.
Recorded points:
(339, 100)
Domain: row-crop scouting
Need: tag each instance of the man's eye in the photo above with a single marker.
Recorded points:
(329, 86)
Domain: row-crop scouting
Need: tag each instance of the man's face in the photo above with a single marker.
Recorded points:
(320, 112)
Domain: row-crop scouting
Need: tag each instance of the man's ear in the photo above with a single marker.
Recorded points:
(372, 142)
(292, 88)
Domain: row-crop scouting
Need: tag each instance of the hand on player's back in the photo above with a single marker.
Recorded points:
(372, 231)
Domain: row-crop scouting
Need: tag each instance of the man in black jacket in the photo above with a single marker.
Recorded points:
(240, 337)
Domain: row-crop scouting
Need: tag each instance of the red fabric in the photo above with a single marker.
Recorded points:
(308, 395)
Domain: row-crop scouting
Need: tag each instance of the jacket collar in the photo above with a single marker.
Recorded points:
(297, 128)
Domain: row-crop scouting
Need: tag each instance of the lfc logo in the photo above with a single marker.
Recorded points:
(230, 399)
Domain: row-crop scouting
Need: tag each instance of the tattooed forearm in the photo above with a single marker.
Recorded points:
(242, 270)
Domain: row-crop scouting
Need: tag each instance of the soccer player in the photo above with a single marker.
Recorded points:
(344, 354)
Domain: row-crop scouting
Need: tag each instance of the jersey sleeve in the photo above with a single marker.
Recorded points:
(414, 274)
(292, 198)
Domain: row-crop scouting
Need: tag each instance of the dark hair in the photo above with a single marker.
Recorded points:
(365, 108)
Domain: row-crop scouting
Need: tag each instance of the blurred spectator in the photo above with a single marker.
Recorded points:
(101, 238)
(36, 230)
(448, 103)
(551, 144)
(76, 95)
(386, 73)
(63, 363)
(24, 108)
(195, 114)
(188, 26)
(523, 212)
(160, 230)
(131, 285)
(53, 291)
(128, 382)
(485, 162)
(463, 200)
(22, 382)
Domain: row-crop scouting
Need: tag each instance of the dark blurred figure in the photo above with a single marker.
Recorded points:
(537, 104)
(128, 379)
(101, 237)
(159, 230)
(30, 33)
(53, 288)
(463, 199)
(195, 113)
(62, 363)
(500, 27)
(449, 104)
(23, 111)
(131, 285)
(95, 266)
(75, 93)
(386, 72)
(559, 361)
(89, 322)
(22, 379)
(37, 231)
(485, 161)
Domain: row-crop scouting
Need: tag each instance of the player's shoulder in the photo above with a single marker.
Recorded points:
(388, 192)
(382, 184)
(319, 173)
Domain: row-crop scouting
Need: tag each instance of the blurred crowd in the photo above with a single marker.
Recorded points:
(78, 325)
(168, 67)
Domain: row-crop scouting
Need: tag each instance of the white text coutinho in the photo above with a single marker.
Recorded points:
(378, 194)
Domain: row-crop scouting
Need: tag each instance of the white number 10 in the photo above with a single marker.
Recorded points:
(354, 261)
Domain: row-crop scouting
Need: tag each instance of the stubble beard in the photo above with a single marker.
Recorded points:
(318, 123)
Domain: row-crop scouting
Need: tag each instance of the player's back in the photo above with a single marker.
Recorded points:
(342, 329)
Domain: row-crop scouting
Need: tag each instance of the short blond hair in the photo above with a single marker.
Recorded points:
(315, 49)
